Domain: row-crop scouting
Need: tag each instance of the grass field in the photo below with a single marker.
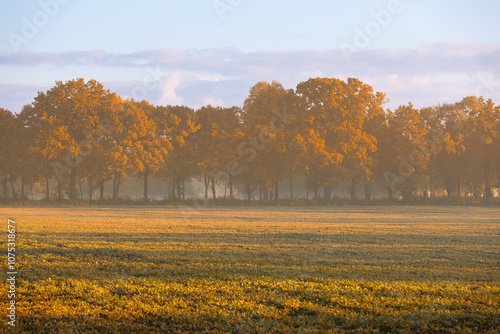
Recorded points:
(257, 270)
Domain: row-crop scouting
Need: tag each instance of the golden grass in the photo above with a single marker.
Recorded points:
(257, 270)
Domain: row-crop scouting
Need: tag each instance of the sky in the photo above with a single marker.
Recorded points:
(199, 52)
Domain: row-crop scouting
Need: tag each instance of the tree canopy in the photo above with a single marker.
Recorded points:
(326, 132)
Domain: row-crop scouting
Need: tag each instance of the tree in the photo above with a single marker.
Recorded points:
(363, 108)
(481, 139)
(448, 166)
(217, 142)
(24, 166)
(132, 143)
(151, 145)
(376, 126)
(333, 113)
(410, 135)
(180, 164)
(65, 116)
(48, 146)
(315, 159)
(7, 152)
(265, 118)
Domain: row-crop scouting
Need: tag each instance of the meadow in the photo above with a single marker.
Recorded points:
(254, 270)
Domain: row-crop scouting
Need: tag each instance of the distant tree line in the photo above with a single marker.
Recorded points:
(326, 131)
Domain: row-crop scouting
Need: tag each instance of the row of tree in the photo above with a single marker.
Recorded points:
(327, 131)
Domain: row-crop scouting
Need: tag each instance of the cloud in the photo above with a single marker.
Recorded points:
(210, 100)
(168, 87)
(444, 72)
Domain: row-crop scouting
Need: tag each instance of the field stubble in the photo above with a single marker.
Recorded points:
(257, 270)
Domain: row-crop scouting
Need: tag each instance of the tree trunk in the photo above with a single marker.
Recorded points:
(389, 190)
(231, 194)
(22, 186)
(12, 188)
(59, 189)
(269, 190)
(73, 195)
(5, 189)
(487, 190)
(475, 191)
(368, 188)
(327, 194)
(353, 188)
(91, 188)
(449, 190)
(487, 184)
(459, 189)
(47, 190)
(315, 192)
(406, 194)
(146, 172)
(276, 190)
(179, 190)
(214, 195)
(291, 188)
(81, 189)
(183, 189)
(429, 188)
(116, 186)
(207, 182)
(102, 189)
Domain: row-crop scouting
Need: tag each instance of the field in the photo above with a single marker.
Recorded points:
(255, 270)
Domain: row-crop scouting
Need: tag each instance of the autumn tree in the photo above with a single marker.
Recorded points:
(131, 143)
(376, 126)
(265, 117)
(180, 122)
(24, 166)
(329, 130)
(448, 165)
(363, 107)
(333, 115)
(410, 160)
(217, 142)
(48, 147)
(154, 143)
(7, 148)
(65, 116)
(481, 139)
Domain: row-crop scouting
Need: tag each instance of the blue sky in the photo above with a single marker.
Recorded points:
(212, 51)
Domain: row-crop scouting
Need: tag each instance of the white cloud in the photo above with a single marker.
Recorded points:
(444, 72)
(168, 88)
(210, 100)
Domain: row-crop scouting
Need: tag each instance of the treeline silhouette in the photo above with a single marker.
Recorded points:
(325, 131)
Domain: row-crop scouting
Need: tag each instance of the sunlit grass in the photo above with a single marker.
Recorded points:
(259, 270)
